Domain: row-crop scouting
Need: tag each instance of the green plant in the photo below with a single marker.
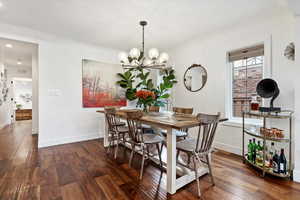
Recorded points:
(126, 82)
(128, 78)
(167, 83)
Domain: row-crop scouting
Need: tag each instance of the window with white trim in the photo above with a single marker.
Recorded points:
(246, 70)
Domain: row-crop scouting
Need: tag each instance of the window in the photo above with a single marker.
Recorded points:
(246, 70)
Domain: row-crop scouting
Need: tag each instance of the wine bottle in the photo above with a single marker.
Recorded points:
(253, 150)
(249, 154)
(259, 154)
(275, 163)
(282, 162)
(271, 154)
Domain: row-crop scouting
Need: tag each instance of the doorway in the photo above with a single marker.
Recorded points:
(19, 82)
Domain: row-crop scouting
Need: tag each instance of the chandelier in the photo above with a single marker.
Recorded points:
(137, 58)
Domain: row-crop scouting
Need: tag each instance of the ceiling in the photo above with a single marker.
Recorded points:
(20, 51)
(114, 23)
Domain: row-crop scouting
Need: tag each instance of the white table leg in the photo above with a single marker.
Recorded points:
(171, 162)
(105, 135)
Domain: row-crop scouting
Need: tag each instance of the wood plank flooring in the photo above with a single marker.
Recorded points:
(82, 171)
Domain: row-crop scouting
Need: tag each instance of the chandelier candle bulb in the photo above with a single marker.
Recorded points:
(153, 53)
(134, 53)
(163, 58)
(123, 57)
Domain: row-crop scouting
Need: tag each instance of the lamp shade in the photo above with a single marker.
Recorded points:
(134, 53)
(123, 57)
(163, 58)
(153, 54)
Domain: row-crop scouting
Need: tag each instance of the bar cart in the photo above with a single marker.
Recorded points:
(287, 139)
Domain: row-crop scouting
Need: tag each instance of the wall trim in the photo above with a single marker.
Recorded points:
(296, 176)
(228, 148)
(67, 140)
(35, 131)
(4, 125)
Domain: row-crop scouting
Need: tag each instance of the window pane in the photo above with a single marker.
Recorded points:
(246, 75)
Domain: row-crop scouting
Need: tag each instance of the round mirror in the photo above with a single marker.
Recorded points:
(195, 78)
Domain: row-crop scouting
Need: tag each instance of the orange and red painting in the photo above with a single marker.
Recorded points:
(99, 88)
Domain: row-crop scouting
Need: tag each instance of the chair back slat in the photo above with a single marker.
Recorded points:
(110, 115)
(181, 110)
(135, 133)
(206, 132)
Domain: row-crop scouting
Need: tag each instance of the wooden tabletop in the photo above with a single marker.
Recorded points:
(164, 119)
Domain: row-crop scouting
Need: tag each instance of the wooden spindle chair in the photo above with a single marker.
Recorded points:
(182, 133)
(201, 147)
(116, 129)
(140, 139)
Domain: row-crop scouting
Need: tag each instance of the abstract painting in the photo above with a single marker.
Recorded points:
(99, 88)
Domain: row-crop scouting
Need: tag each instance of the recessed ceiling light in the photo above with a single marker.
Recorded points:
(19, 63)
(1, 4)
(9, 45)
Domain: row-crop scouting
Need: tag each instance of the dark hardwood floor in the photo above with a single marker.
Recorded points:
(82, 171)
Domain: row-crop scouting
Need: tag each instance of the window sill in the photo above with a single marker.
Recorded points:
(239, 124)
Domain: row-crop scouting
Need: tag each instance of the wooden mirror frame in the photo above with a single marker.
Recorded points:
(193, 66)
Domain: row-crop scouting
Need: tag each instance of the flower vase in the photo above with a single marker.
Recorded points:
(145, 108)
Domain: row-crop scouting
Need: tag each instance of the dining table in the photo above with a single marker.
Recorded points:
(177, 176)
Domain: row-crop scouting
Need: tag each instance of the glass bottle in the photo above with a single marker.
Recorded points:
(271, 154)
(253, 150)
(259, 154)
(275, 163)
(254, 103)
(249, 154)
(282, 162)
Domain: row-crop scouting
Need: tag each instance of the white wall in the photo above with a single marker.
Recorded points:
(211, 52)
(5, 107)
(297, 101)
(35, 92)
(61, 116)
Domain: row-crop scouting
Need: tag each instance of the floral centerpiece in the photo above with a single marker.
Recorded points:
(145, 98)
(139, 86)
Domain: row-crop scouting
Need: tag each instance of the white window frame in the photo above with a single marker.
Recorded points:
(267, 73)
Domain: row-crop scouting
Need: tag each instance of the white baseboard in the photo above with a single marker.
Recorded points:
(228, 148)
(67, 140)
(35, 131)
(296, 176)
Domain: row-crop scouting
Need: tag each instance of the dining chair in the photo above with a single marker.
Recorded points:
(181, 110)
(181, 133)
(142, 140)
(200, 148)
(116, 129)
(148, 128)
